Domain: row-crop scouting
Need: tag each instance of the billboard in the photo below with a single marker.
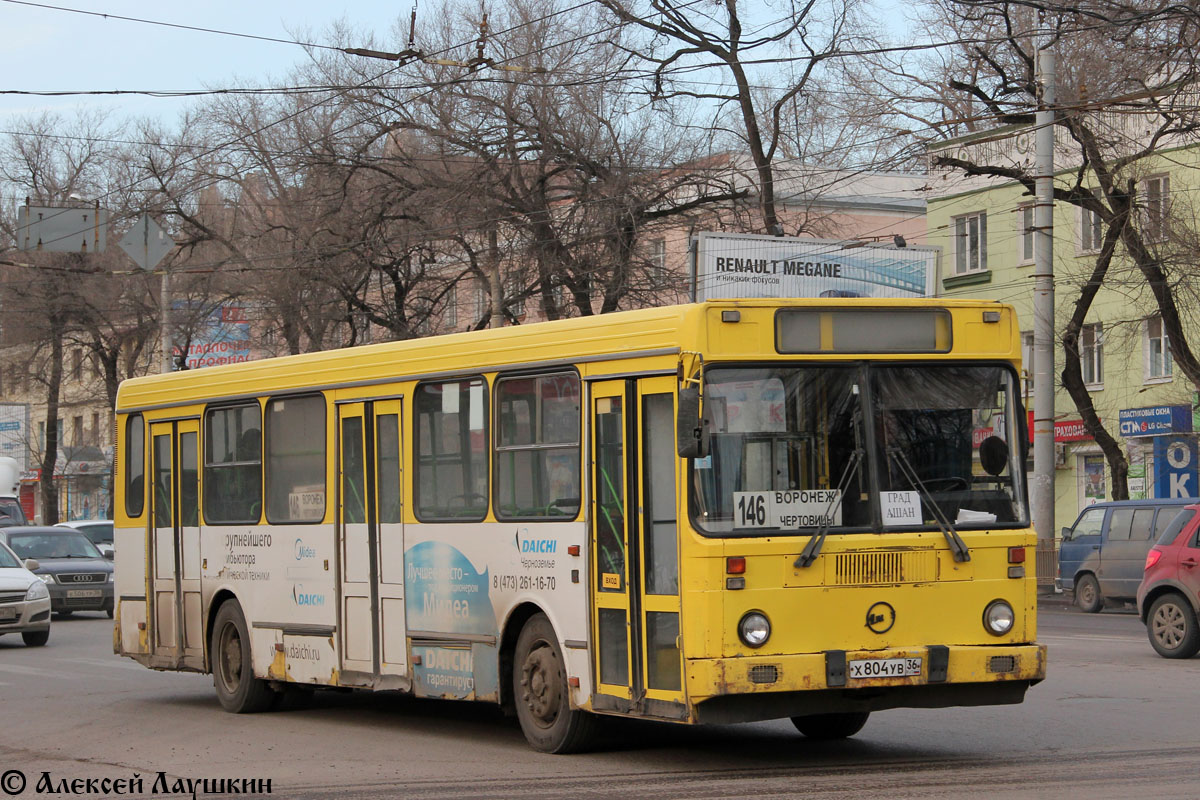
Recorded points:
(14, 432)
(62, 230)
(220, 336)
(740, 265)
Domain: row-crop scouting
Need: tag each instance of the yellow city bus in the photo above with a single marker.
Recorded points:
(719, 512)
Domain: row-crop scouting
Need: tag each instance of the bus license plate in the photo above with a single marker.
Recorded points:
(83, 592)
(885, 668)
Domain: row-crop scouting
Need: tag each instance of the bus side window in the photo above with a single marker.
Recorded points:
(135, 465)
(233, 465)
(451, 450)
(537, 447)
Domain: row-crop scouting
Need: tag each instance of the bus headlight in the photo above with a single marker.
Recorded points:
(754, 629)
(998, 617)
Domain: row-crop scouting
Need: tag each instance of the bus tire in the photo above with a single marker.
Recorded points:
(233, 673)
(542, 696)
(1087, 594)
(831, 726)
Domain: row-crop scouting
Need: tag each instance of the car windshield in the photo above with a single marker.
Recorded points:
(8, 559)
(10, 512)
(859, 446)
(100, 533)
(52, 545)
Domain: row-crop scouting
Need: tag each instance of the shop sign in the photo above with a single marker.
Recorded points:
(1154, 420)
(1175, 466)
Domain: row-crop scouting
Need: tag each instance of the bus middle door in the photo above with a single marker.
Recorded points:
(371, 543)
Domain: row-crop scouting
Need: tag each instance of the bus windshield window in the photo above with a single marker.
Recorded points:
(783, 441)
(944, 433)
(809, 448)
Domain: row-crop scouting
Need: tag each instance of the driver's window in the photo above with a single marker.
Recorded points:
(1090, 524)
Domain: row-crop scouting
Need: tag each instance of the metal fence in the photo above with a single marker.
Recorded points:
(1046, 565)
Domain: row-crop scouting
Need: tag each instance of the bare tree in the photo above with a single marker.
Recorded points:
(1125, 93)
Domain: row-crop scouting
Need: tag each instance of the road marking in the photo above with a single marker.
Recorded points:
(114, 663)
(13, 668)
(1074, 637)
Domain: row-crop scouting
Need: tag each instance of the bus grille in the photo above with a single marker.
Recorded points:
(764, 673)
(906, 566)
(1002, 664)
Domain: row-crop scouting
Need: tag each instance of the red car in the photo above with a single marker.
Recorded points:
(1169, 595)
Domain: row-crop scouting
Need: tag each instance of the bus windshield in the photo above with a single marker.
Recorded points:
(864, 447)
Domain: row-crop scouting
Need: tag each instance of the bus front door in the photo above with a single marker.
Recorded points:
(177, 617)
(635, 549)
(371, 542)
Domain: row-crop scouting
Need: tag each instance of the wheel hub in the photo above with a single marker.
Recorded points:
(1168, 626)
(542, 687)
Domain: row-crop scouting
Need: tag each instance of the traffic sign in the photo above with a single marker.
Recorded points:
(147, 243)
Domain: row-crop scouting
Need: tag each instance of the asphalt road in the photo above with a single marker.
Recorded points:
(1112, 720)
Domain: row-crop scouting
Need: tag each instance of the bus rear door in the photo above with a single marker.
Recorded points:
(177, 615)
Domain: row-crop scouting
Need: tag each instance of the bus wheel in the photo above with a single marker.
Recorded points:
(233, 675)
(831, 726)
(542, 697)
(1087, 594)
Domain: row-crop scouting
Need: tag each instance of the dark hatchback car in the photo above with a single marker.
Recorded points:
(1168, 597)
(78, 576)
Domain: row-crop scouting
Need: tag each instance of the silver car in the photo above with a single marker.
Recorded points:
(24, 599)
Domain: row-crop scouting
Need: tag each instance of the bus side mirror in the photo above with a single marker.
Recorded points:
(691, 432)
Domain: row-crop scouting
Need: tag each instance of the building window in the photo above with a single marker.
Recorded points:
(77, 431)
(482, 301)
(76, 364)
(1091, 353)
(450, 318)
(514, 298)
(1091, 232)
(537, 447)
(96, 440)
(1027, 363)
(1159, 364)
(658, 259)
(1155, 207)
(970, 243)
(1025, 234)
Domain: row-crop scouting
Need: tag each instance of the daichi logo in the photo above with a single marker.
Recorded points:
(304, 598)
(535, 545)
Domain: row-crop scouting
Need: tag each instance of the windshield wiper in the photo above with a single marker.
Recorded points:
(815, 542)
(957, 546)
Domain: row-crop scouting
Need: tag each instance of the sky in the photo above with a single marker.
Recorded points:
(48, 49)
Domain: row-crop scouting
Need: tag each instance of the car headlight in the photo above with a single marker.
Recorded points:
(998, 618)
(110, 578)
(754, 629)
(37, 591)
(47, 578)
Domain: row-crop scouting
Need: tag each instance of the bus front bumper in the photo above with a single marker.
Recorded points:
(771, 687)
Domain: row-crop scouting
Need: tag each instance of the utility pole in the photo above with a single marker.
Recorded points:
(1043, 306)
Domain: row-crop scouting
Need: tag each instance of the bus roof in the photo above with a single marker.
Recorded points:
(658, 331)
